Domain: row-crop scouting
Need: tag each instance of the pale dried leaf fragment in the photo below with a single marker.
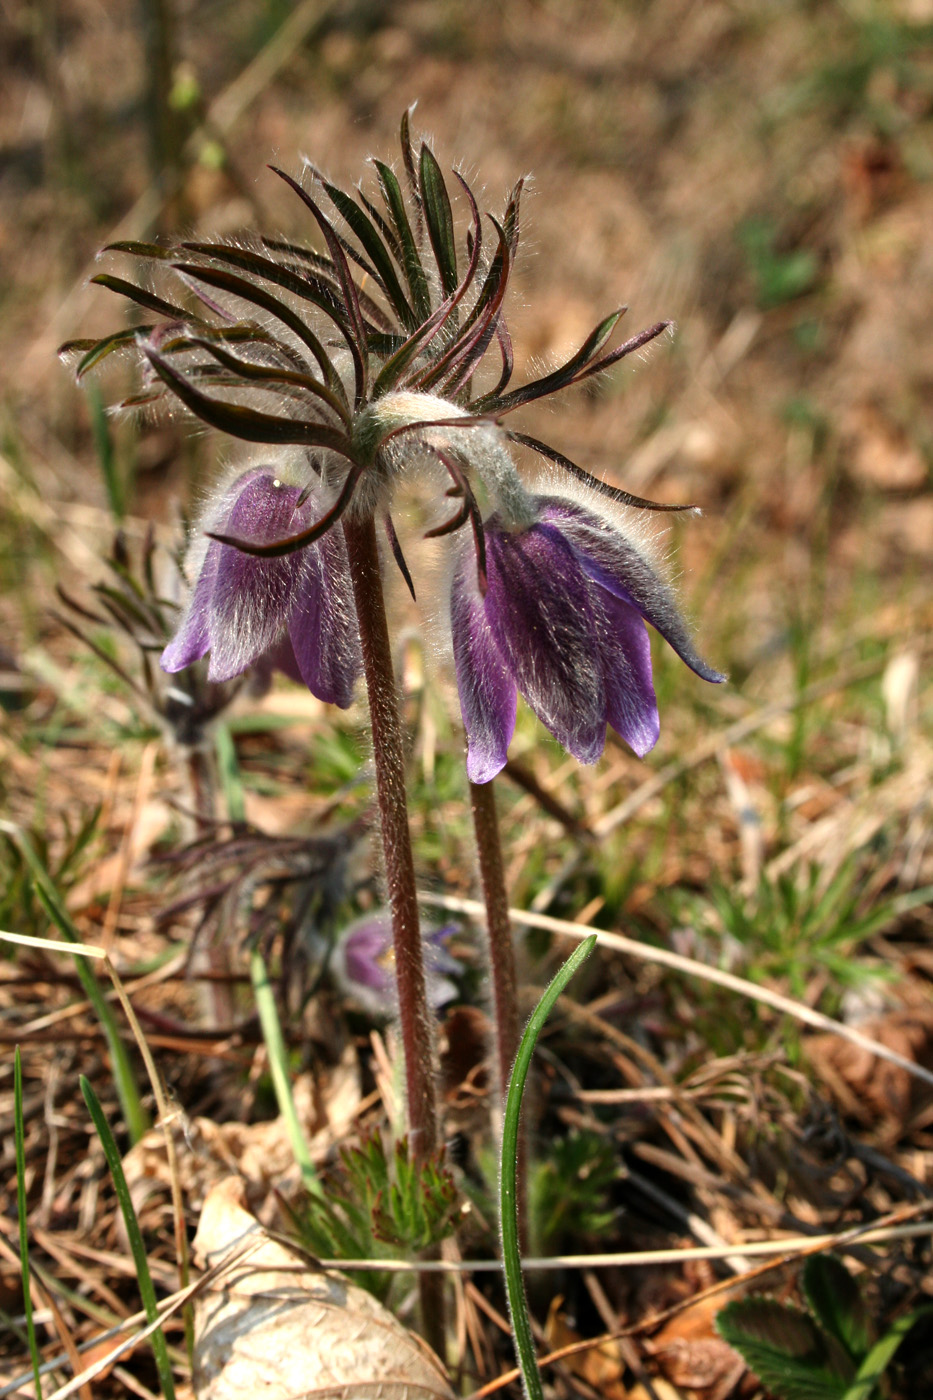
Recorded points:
(275, 1327)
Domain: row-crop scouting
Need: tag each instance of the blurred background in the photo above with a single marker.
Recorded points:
(758, 172)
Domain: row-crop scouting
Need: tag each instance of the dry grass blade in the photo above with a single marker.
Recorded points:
(167, 1309)
(664, 957)
(807, 1247)
(789, 1246)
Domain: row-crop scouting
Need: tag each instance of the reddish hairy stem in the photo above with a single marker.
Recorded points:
(501, 952)
(501, 960)
(389, 755)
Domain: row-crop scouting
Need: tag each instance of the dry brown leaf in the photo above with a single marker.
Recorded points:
(885, 1089)
(690, 1353)
(260, 1153)
(660, 1388)
(274, 1327)
(602, 1366)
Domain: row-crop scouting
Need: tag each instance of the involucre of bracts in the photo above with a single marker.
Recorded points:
(347, 364)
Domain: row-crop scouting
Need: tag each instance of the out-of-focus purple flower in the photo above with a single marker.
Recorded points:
(562, 620)
(363, 963)
(295, 612)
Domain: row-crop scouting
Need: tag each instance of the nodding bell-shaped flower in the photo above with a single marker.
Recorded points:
(387, 348)
(562, 620)
(363, 964)
(294, 612)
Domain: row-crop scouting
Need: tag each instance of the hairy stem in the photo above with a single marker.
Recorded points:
(501, 952)
(501, 962)
(389, 755)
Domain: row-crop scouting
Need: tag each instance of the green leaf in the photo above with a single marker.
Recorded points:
(463, 356)
(247, 423)
(142, 297)
(22, 1212)
(248, 291)
(836, 1302)
(399, 361)
(881, 1355)
(364, 229)
(159, 251)
(321, 292)
(267, 376)
(356, 333)
(439, 219)
(563, 376)
(100, 349)
(785, 1349)
(411, 260)
(508, 1194)
(134, 1235)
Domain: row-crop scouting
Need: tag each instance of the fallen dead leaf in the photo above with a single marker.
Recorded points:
(274, 1327)
(602, 1366)
(881, 454)
(882, 1088)
(691, 1354)
(261, 1154)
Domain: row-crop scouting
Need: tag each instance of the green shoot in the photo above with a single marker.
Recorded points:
(146, 1288)
(134, 1115)
(19, 1136)
(508, 1198)
(278, 1066)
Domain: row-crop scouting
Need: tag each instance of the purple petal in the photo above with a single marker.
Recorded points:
(192, 640)
(543, 623)
(363, 964)
(622, 570)
(366, 951)
(281, 657)
(322, 624)
(252, 596)
(488, 698)
(631, 705)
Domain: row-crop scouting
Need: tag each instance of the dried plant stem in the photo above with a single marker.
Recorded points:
(665, 957)
(389, 757)
(498, 925)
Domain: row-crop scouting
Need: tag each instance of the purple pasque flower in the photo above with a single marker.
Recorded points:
(363, 964)
(562, 620)
(380, 347)
(295, 612)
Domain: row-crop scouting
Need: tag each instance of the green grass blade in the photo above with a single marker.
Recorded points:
(878, 1360)
(134, 1115)
(231, 781)
(508, 1202)
(20, 1140)
(278, 1066)
(134, 1234)
(106, 456)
